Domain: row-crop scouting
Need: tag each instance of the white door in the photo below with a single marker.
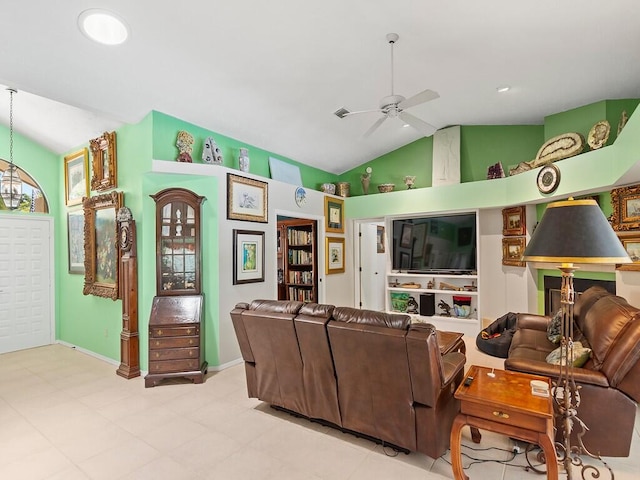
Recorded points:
(25, 282)
(372, 268)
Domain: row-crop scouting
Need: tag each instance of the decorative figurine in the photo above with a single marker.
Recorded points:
(445, 307)
(243, 160)
(185, 146)
(211, 153)
(365, 179)
(409, 180)
(412, 305)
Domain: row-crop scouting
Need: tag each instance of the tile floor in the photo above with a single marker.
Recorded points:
(66, 415)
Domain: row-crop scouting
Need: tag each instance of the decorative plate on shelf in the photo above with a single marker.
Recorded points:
(599, 134)
(548, 178)
(301, 196)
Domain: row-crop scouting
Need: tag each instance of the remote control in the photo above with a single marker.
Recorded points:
(467, 381)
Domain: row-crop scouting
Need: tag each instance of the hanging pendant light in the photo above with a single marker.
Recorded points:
(11, 184)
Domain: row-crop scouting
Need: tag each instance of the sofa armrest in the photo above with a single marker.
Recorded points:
(452, 364)
(535, 367)
(532, 321)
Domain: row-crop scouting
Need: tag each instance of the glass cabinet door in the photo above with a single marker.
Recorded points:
(178, 242)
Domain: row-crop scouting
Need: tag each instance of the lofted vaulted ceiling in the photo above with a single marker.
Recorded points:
(271, 74)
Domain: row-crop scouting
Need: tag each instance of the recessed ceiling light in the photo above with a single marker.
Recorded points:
(406, 125)
(103, 26)
(503, 89)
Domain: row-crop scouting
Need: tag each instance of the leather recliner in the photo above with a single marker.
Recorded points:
(610, 380)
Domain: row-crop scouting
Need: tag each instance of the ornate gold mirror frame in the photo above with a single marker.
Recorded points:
(101, 245)
(104, 162)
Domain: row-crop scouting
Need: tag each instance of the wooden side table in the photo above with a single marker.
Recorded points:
(504, 404)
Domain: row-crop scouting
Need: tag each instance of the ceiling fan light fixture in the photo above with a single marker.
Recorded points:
(103, 26)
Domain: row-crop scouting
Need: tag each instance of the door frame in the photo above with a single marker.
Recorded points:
(48, 220)
(320, 239)
(357, 301)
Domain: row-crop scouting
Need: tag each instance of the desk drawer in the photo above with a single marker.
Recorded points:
(505, 415)
(172, 331)
(174, 353)
(171, 366)
(173, 342)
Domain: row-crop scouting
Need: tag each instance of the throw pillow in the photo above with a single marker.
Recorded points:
(554, 329)
(580, 355)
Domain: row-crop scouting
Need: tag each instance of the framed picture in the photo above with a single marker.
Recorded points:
(335, 255)
(101, 246)
(514, 221)
(626, 208)
(406, 235)
(247, 199)
(334, 214)
(512, 250)
(75, 237)
(104, 162)
(380, 239)
(76, 177)
(248, 256)
(631, 244)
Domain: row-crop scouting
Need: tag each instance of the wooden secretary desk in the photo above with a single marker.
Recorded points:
(176, 330)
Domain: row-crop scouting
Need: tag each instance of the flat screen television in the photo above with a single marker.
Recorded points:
(435, 244)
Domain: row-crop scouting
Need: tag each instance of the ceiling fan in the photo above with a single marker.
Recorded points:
(394, 106)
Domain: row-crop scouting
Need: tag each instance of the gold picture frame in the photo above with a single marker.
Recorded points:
(76, 177)
(334, 255)
(247, 199)
(334, 214)
(512, 250)
(101, 245)
(104, 162)
(514, 221)
(626, 208)
(631, 244)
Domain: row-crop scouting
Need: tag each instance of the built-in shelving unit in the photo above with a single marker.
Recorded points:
(298, 241)
(428, 290)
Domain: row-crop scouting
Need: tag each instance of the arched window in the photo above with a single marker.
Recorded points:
(33, 199)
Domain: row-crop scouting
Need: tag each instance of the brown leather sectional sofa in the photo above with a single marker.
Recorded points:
(609, 381)
(370, 373)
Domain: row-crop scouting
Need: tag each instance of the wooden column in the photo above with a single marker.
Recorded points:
(129, 337)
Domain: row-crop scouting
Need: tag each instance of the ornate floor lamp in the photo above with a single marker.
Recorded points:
(573, 231)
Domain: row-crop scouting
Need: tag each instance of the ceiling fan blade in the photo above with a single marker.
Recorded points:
(423, 127)
(419, 98)
(361, 111)
(375, 126)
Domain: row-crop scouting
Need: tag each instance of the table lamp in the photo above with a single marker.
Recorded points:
(572, 231)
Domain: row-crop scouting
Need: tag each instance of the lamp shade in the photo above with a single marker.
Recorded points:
(575, 231)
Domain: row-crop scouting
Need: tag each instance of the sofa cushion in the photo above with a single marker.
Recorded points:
(554, 329)
(579, 357)
(369, 317)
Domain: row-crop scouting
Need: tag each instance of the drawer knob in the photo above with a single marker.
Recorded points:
(191, 342)
(501, 414)
(188, 331)
(159, 332)
(157, 355)
(157, 344)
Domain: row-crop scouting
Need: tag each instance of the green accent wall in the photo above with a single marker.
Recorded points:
(480, 147)
(165, 132)
(581, 119)
(94, 323)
